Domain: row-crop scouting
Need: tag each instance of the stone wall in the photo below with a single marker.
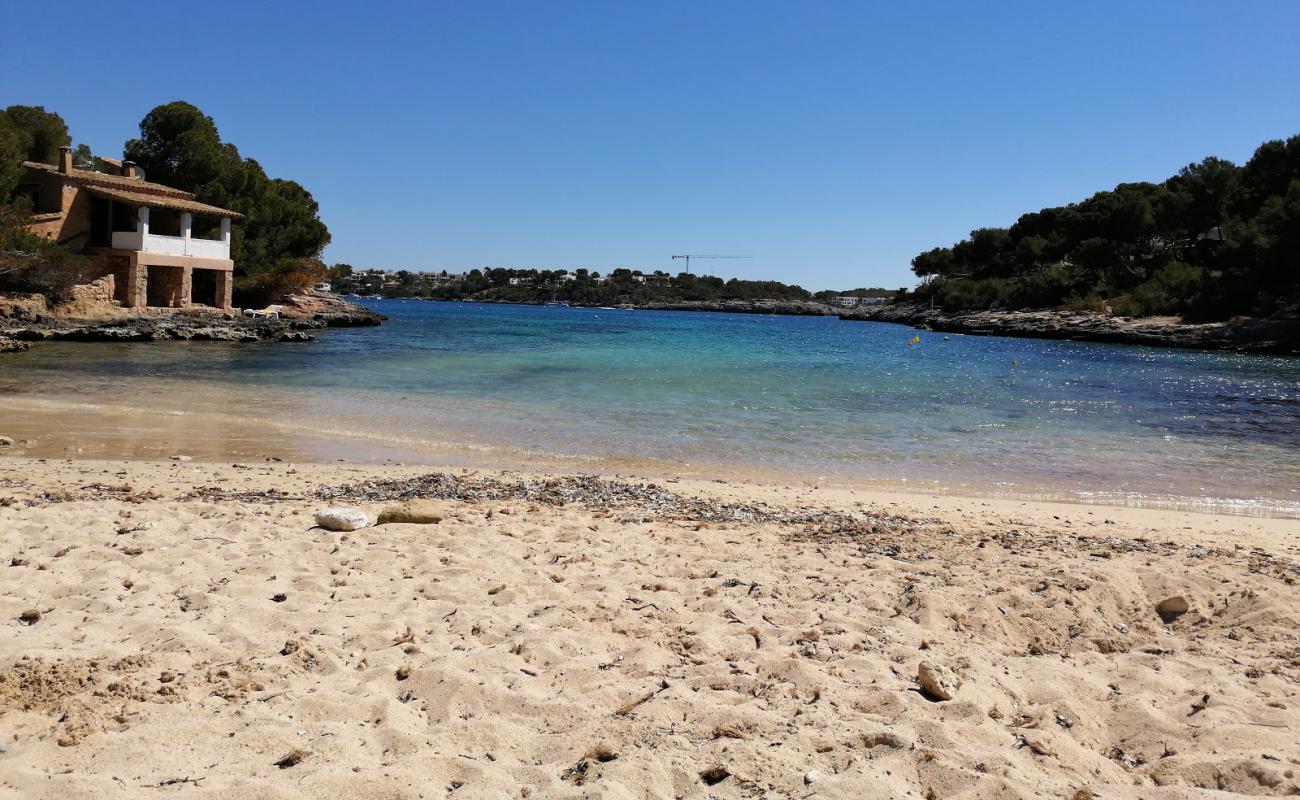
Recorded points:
(166, 286)
(71, 226)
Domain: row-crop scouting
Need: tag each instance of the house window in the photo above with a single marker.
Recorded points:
(205, 227)
(164, 222)
(124, 217)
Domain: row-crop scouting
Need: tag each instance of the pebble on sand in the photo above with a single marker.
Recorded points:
(1171, 608)
(418, 512)
(341, 519)
(937, 681)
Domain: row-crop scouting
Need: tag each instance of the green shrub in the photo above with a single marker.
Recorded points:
(1085, 302)
(31, 263)
(1172, 290)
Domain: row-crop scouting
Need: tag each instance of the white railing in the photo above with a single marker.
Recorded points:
(166, 245)
(127, 240)
(206, 248)
(170, 245)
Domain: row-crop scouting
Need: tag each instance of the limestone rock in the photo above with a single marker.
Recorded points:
(1252, 335)
(937, 681)
(342, 519)
(1171, 608)
(417, 512)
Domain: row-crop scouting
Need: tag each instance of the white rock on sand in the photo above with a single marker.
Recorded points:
(341, 519)
(937, 681)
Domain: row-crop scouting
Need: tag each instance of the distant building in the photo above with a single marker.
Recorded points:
(140, 234)
(853, 301)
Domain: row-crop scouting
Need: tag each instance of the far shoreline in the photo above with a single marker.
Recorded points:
(1254, 335)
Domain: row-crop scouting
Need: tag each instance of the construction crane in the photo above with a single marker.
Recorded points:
(688, 258)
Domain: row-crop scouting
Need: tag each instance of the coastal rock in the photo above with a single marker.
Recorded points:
(1267, 335)
(341, 519)
(325, 309)
(416, 512)
(12, 345)
(937, 681)
(1171, 608)
(5, 441)
(302, 313)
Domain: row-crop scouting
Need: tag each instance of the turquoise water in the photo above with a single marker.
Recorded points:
(813, 397)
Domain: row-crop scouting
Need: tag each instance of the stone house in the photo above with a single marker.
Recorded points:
(160, 246)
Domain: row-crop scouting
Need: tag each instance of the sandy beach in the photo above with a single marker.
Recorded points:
(181, 629)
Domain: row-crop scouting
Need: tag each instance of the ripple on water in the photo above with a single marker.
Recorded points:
(733, 393)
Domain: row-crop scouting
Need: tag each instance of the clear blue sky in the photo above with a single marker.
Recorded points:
(830, 140)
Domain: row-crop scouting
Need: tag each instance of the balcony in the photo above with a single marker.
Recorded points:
(168, 234)
(171, 245)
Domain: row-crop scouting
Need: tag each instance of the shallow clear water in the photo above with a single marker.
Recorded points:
(788, 395)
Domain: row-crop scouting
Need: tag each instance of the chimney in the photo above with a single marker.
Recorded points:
(65, 159)
(128, 169)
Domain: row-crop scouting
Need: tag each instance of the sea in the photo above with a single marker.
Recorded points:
(815, 400)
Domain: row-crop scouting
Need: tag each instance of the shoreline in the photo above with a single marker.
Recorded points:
(28, 321)
(1265, 336)
(185, 621)
(791, 308)
(1260, 336)
(776, 489)
(141, 435)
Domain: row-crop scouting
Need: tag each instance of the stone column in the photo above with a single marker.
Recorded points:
(137, 283)
(187, 286)
(225, 289)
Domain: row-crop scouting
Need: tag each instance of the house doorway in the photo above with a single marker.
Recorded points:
(100, 222)
(203, 288)
(163, 287)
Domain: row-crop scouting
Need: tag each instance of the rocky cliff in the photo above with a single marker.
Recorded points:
(28, 318)
(1269, 335)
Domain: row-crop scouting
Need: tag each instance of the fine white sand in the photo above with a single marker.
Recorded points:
(226, 648)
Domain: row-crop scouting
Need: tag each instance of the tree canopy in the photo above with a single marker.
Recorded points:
(41, 132)
(277, 245)
(1213, 241)
(580, 287)
(31, 263)
(28, 133)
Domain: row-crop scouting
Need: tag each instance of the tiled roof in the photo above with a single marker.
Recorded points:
(161, 201)
(104, 179)
(134, 191)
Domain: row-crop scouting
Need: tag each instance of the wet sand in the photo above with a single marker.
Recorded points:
(182, 628)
